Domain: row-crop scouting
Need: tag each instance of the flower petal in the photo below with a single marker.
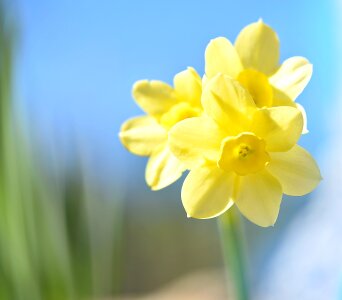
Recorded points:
(258, 197)
(154, 97)
(305, 119)
(228, 103)
(280, 127)
(196, 140)
(258, 47)
(188, 86)
(221, 57)
(163, 168)
(206, 192)
(281, 99)
(141, 135)
(293, 76)
(296, 170)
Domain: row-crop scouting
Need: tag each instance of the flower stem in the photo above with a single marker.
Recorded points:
(234, 251)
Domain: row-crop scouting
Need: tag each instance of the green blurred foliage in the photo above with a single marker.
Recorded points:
(57, 232)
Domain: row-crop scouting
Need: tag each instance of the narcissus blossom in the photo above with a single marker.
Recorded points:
(254, 62)
(239, 153)
(165, 106)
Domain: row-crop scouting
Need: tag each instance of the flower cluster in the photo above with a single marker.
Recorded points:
(236, 129)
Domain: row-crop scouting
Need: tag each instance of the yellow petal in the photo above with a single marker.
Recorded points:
(154, 97)
(293, 76)
(258, 47)
(258, 197)
(296, 170)
(280, 127)
(204, 80)
(221, 57)
(141, 135)
(305, 119)
(163, 168)
(228, 103)
(196, 140)
(188, 86)
(281, 99)
(206, 192)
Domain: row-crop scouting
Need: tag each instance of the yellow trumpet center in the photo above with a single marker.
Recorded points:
(258, 86)
(178, 113)
(243, 154)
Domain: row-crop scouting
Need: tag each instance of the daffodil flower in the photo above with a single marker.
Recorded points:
(165, 106)
(254, 62)
(241, 154)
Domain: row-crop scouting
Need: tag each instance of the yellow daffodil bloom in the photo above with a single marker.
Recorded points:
(240, 153)
(254, 62)
(165, 106)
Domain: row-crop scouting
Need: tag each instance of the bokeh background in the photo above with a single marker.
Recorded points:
(77, 220)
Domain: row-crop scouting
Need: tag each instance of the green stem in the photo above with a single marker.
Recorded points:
(234, 251)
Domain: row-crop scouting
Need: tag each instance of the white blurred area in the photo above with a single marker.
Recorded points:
(307, 262)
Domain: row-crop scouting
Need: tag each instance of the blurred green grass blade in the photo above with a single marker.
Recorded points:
(50, 246)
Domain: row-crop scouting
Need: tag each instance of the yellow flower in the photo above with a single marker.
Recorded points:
(240, 153)
(254, 62)
(165, 106)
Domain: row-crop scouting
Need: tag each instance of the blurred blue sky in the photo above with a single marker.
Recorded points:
(78, 59)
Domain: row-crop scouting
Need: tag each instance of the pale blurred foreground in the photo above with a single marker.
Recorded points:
(204, 285)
